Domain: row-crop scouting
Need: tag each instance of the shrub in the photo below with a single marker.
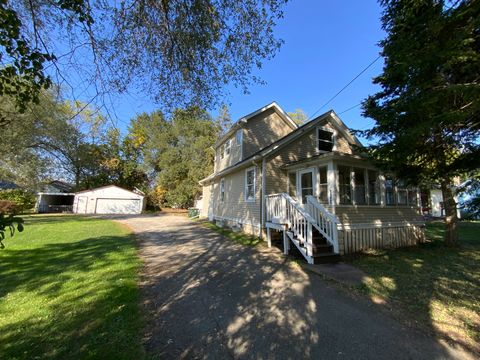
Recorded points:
(25, 200)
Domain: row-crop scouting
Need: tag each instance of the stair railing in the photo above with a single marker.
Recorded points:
(324, 221)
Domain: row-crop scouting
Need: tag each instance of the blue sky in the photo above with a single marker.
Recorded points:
(327, 43)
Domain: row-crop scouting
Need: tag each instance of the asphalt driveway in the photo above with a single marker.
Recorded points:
(207, 297)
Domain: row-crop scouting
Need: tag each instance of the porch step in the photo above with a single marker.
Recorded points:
(325, 258)
(319, 249)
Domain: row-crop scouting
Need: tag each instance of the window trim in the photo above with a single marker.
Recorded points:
(222, 190)
(229, 147)
(317, 138)
(247, 170)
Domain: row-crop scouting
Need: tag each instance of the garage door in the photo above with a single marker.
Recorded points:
(118, 206)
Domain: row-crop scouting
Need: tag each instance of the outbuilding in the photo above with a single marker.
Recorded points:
(108, 199)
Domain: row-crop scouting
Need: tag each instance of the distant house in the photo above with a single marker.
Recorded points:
(55, 197)
(109, 199)
(311, 184)
(8, 185)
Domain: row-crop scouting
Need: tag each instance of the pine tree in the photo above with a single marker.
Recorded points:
(427, 113)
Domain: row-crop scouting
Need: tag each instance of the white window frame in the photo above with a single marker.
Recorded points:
(252, 199)
(227, 147)
(222, 190)
(317, 139)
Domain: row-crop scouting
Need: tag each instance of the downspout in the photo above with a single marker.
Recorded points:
(262, 200)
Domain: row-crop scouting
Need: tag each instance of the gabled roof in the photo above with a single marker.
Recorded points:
(242, 121)
(109, 186)
(337, 123)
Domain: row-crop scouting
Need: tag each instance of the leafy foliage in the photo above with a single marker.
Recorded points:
(177, 151)
(181, 52)
(23, 199)
(427, 113)
(9, 223)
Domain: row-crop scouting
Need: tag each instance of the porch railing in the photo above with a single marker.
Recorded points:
(325, 222)
(281, 208)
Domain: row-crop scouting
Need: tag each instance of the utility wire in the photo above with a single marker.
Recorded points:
(346, 86)
(350, 108)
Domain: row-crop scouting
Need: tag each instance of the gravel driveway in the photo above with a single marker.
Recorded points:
(207, 297)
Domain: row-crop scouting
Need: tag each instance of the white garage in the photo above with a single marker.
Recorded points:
(109, 199)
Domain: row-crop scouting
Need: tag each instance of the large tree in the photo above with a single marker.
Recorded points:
(178, 151)
(178, 51)
(427, 112)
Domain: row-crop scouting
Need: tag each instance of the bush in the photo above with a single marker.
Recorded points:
(24, 200)
(8, 209)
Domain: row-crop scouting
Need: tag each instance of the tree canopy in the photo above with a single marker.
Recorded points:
(180, 52)
(427, 114)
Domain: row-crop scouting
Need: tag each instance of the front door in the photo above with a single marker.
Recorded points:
(306, 184)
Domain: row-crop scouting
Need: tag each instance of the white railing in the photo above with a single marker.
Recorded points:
(281, 208)
(324, 221)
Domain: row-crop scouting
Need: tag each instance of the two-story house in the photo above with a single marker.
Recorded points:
(311, 184)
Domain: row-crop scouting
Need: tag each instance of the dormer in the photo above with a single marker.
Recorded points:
(252, 133)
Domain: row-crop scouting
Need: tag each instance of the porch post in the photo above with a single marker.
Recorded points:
(381, 179)
(353, 199)
(332, 185)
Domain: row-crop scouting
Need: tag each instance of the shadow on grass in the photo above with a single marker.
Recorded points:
(438, 286)
(70, 300)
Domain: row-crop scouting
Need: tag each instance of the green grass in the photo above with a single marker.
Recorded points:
(68, 290)
(237, 236)
(437, 285)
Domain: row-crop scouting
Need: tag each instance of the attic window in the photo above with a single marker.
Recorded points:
(227, 147)
(324, 139)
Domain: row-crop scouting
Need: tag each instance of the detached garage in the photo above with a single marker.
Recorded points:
(109, 199)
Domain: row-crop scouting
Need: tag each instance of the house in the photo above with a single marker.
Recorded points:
(55, 197)
(109, 199)
(310, 185)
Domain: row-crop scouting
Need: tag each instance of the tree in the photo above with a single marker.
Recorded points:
(299, 116)
(178, 151)
(181, 52)
(427, 113)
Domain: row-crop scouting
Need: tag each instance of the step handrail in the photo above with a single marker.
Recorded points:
(324, 221)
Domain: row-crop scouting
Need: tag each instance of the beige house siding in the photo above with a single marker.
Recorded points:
(262, 130)
(377, 215)
(234, 209)
(234, 157)
(206, 197)
(304, 147)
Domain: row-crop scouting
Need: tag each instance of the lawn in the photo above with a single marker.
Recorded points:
(237, 236)
(68, 290)
(438, 286)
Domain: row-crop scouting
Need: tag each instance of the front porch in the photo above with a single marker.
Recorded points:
(341, 206)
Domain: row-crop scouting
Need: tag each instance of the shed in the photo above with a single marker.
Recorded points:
(108, 199)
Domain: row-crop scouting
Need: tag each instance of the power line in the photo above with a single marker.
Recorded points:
(346, 86)
(350, 108)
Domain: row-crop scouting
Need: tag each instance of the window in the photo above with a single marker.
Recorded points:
(359, 181)
(344, 185)
(238, 137)
(222, 153)
(412, 197)
(325, 139)
(402, 195)
(389, 191)
(322, 175)
(222, 190)
(250, 184)
(227, 146)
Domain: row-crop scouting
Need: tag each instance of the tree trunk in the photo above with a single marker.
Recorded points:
(451, 219)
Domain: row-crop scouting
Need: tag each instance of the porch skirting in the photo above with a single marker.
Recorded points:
(359, 237)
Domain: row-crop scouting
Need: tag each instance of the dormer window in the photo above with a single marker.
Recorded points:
(324, 139)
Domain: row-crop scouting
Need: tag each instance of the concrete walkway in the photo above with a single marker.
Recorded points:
(206, 297)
